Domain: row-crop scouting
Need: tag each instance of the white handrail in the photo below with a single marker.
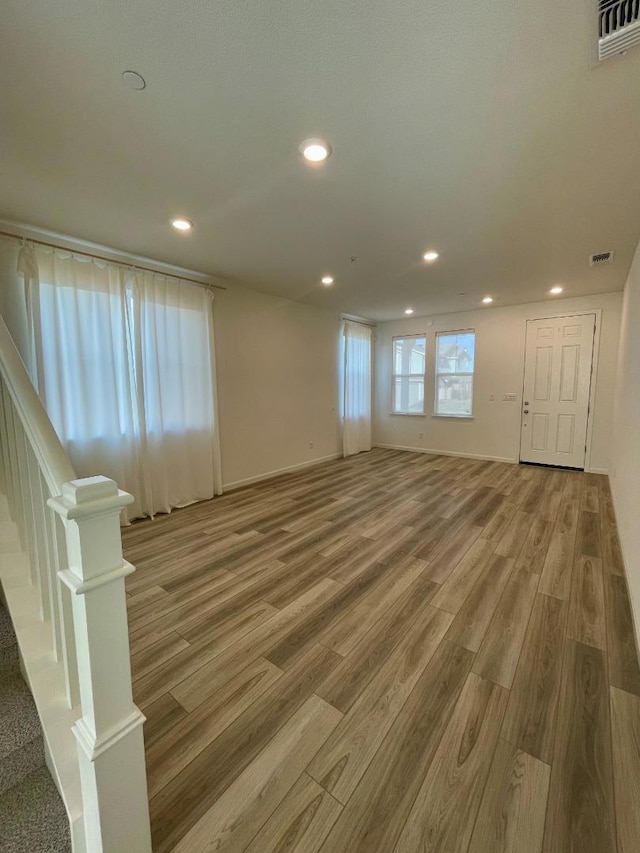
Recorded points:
(50, 454)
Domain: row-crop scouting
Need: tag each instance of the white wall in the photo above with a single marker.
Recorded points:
(277, 366)
(494, 431)
(278, 386)
(277, 383)
(625, 467)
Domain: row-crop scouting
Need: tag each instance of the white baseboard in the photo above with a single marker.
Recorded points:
(227, 487)
(508, 459)
(627, 560)
(604, 471)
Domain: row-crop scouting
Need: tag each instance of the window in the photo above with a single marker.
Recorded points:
(408, 375)
(356, 386)
(117, 351)
(124, 364)
(455, 356)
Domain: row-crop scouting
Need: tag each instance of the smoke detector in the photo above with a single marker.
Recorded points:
(133, 80)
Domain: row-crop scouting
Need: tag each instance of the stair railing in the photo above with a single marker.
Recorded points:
(69, 609)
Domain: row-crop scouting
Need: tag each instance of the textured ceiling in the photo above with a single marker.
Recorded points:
(477, 128)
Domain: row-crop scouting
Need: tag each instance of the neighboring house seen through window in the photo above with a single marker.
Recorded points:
(455, 357)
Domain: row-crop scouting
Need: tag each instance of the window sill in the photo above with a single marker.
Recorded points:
(456, 417)
(408, 414)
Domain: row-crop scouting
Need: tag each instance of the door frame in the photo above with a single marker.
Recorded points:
(595, 356)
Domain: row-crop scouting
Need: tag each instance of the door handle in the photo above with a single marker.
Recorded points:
(526, 411)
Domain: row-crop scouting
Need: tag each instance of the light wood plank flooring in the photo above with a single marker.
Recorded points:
(386, 654)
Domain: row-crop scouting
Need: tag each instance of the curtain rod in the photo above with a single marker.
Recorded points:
(370, 323)
(92, 255)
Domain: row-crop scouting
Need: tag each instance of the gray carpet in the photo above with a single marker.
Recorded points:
(32, 815)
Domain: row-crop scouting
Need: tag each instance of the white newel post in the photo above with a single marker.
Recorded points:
(109, 732)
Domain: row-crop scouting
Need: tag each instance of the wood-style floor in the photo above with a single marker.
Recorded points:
(387, 654)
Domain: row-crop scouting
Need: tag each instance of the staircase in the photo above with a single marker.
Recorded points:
(62, 578)
(32, 816)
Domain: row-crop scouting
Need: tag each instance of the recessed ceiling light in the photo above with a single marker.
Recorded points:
(408, 310)
(327, 280)
(556, 290)
(430, 256)
(487, 299)
(182, 224)
(315, 150)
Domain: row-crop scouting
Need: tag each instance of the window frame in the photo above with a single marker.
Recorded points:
(394, 375)
(438, 374)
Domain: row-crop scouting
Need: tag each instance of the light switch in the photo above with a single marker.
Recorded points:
(510, 398)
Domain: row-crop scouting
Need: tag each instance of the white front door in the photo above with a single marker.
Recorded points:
(557, 382)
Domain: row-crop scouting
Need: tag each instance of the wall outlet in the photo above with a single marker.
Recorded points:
(420, 435)
(310, 445)
(510, 398)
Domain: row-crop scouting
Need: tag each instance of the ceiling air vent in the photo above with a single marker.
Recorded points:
(601, 257)
(619, 22)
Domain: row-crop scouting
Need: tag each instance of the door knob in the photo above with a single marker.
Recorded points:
(526, 411)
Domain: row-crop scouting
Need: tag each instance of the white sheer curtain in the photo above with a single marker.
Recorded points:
(123, 361)
(356, 388)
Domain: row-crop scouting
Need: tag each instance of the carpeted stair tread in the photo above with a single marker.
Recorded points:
(19, 721)
(33, 818)
(20, 763)
(8, 641)
(21, 746)
(7, 634)
(32, 815)
(9, 661)
(9, 658)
